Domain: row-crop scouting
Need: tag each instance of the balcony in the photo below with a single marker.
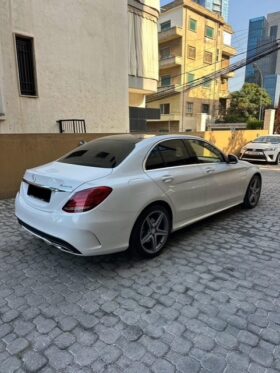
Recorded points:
(168, 62)
(167, 118)
(170, 88)
(229, 51)
(228, 75)
(170, 34)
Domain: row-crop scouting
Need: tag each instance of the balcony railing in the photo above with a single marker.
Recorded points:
(171, 61)
(228, 50)
(170, 34)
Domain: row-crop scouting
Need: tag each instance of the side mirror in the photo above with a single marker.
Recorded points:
(232, 159)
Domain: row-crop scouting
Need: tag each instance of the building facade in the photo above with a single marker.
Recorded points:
(263, 31)
(55, 67)
(220, 7)
(193, 42)
(143, 60)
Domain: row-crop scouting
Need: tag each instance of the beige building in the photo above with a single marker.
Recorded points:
(193, 42)
(69, 59)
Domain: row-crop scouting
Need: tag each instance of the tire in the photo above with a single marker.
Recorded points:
(150, 232)
(277, 159)
(253, 192)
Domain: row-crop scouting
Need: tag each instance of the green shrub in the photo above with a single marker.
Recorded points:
(231, 118)
(254, 124)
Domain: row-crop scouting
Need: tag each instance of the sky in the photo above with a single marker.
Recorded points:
(240, 11)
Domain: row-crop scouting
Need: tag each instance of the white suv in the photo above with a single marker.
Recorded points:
(262, 149)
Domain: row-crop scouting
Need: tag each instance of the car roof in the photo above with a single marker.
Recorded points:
(142, 140)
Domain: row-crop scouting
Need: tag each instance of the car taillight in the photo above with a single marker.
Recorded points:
(87, 199)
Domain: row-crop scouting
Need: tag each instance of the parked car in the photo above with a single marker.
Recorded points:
(131, 191)
(262, 149)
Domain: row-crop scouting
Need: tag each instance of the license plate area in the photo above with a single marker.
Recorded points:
(254, 153)
(38, 192)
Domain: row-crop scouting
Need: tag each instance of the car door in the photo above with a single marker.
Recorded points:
(225, 181)
(171, 167)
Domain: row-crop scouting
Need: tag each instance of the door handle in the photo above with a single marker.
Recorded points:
(209, 170)
(167, 179)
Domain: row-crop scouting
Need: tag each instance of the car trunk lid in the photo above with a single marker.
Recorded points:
(49, 186)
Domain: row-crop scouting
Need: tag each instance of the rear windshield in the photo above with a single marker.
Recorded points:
(100, 153)
(268, 139)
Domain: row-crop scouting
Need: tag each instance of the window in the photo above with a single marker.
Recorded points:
(103, 153)
(209, 32)
(165, 80)
(165, 53)
(190, 78)
(189, 108)
(208, 57)
(205, 108)
(164, 108)
(191, 52)
(26, 68)
(168, 153)
(165, 26)
(207, 84)
(204, 152)
(192, 24)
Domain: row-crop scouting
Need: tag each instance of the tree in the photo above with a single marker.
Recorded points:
(246, 103)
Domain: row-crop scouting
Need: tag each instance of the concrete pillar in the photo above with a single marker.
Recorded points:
(269, 119)
(201, 121)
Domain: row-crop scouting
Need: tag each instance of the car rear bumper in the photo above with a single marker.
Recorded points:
(69, 232)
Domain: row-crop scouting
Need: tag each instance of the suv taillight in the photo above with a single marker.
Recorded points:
(87, 199)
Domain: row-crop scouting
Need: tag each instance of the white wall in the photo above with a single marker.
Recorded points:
(175, 15)
(81, 61)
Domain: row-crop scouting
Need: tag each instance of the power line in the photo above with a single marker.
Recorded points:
(213, 76)
(217, 62)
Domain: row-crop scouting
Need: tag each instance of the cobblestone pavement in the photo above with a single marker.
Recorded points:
(209, 303)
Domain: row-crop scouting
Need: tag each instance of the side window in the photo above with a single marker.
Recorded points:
(170, 153)
(154, 160)
(204, 152)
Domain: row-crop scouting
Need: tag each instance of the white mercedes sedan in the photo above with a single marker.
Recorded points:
(129, 191)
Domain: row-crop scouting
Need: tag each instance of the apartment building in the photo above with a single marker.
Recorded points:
(193, 42)
(220, 7)
(263, 31)
(71, 59)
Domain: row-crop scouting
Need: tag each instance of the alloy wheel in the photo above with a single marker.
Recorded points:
(254, 191)
(154, 232)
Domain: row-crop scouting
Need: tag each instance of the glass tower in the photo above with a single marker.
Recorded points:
(266, 71)
(218, 6)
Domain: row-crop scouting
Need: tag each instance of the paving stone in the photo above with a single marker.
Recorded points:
(33, 361)
(210, 303)
(213, 363)
(58, 359)
(248, 338)
(162, 366)
(10, 365)
(17, 346)
(261, 356)
(83, 355)
(132, 332)
(271, 336)
(187, 364)
(64, 340)
(44, 325)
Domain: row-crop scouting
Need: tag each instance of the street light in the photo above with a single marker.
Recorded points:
(256, 67)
